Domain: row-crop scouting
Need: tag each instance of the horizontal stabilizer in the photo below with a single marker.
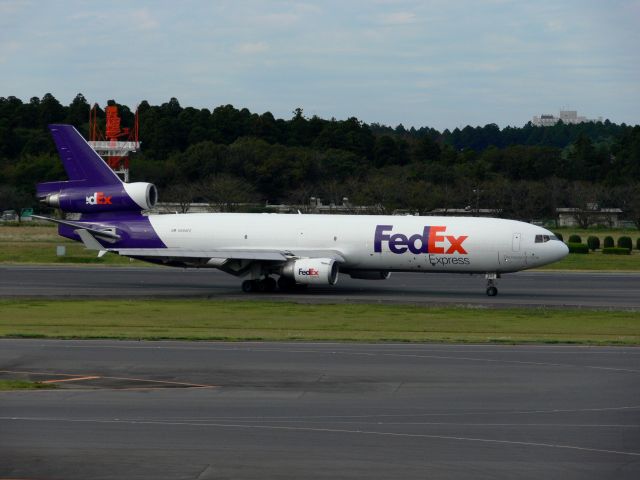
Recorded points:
(81, 226)
(90, 241)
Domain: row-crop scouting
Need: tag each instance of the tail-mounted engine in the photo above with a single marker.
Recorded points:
(307, 271)
(111, 198)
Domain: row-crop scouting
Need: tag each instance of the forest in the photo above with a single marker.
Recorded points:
(230, 156)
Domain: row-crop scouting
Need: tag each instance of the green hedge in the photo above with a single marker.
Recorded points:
(638, 243)
(593, 242)
(608, 242)
(575, 239)
(577, 247)
(616, 251)
(625, 242)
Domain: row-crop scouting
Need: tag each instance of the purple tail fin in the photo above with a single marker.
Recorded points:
(92, 188)
(83, 165)
(80, 160)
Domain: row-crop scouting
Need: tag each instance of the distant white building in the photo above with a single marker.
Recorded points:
(592, 215)
(567, 116)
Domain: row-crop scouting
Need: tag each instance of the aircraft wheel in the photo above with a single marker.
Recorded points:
(492, 291)
(269, 284)
(249, 286)
(286, 284)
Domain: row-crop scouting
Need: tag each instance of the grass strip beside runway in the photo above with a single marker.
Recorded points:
(23, 385)
(272, 321)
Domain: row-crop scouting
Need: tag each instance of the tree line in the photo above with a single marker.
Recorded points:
(524, 172)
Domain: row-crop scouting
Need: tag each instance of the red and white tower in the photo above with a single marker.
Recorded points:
(115, 145)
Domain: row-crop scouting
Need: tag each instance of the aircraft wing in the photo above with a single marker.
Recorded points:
(268, 255)
(265, 255)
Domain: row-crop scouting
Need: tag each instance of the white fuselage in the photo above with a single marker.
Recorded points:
(391, 243)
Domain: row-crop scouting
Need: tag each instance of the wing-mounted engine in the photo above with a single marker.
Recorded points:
(312, 271)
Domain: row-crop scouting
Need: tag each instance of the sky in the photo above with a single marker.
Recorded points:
(434, 63)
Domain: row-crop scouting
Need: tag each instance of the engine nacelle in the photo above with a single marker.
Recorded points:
(308, 271)
(369, 274)
(144, 194)
(126, 196)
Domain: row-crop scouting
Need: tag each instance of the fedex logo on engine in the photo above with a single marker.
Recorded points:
(311, 272)
(431, 240)
(98, 198)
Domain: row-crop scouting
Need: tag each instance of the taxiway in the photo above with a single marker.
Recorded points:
(175, 410)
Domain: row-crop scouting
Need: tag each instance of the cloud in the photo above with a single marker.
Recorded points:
(279, 19)
(144, 20)
(386, 62)
(7, 49)
(11, 6)
(397, 18)
(252, 48)
(555, 25)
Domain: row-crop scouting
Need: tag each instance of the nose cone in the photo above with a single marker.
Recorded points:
(561, 250)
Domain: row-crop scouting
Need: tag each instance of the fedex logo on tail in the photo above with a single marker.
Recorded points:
(98, 198)
(432, 240)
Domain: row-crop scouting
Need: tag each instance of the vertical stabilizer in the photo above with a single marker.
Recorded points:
(92, 187)
(80, 161)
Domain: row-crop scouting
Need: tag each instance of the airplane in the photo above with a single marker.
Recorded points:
(301, 250)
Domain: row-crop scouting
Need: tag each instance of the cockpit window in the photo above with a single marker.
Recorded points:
(545, 238)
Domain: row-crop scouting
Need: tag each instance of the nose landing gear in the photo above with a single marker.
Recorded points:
(492, 290)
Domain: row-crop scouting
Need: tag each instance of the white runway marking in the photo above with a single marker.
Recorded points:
(357, 353)
(329, 430)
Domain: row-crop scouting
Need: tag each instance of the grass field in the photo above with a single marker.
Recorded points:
(596, 261)
(242, 320)
(37, 244)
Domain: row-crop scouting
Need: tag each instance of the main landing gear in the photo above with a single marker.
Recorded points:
(492, 290)
(267, 284)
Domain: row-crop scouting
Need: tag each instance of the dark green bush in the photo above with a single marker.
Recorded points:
(625, 242)
(577, 247)
(575, 239)
(559, 235)
(616, 251)
(608, 242)
(638, 243)
(593, 242)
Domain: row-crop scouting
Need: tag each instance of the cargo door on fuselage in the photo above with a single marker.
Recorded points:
(516, 258)
(515, 242)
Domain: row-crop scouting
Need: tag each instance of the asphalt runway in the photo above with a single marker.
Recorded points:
(534, 288)
(176, 410)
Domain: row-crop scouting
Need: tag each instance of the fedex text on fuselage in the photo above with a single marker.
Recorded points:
(432, 240)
